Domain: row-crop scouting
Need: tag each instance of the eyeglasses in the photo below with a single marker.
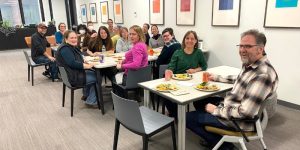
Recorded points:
(246, 46)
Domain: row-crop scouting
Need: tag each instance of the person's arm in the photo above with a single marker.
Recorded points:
(257, 90)
(218, 78)
(119, 46)
(137, 54)
(57, 38)
(69, 59)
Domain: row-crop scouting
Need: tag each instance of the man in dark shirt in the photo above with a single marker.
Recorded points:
(39, 44)
(146, 27)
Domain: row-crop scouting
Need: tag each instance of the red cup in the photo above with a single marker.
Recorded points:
(205, 77)
(168, 75)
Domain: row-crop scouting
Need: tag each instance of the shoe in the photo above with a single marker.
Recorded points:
(83, 98)
(203, 143)
(46, 74)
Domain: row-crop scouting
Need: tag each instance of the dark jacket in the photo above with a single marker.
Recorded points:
(167, 53)
(38, 45)
(71, 59)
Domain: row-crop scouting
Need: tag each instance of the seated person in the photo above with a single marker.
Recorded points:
(79, 73)
(156, 40)
(123, 44)
(116, 36)
(59, 34)
(256, 81)
(92, 33)
(83, 38)
(39, 44)
(102, 43)
(171, 45)
(189, 59)
(146, 27)
(136, 57)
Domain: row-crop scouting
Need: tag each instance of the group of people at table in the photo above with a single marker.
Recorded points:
(256, 81)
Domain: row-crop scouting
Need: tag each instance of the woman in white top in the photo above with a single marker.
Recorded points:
(123, 44)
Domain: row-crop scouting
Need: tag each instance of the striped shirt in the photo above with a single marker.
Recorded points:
(253, 85)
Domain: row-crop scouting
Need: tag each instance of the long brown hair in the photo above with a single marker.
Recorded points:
(195, 35)
(96, 44)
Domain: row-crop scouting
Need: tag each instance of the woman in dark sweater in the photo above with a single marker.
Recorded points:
(70, 57)
(171, 45)
(101, 43)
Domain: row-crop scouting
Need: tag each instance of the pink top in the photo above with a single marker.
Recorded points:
(136, 57)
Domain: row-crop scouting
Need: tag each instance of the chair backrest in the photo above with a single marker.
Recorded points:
(264, 103)
(128, 113)
(64, 76)
(28, 58)
(51, 39)
(28, 41)
(162, 69)
(136, 76)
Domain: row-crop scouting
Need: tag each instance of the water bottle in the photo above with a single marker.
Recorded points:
(103, 48)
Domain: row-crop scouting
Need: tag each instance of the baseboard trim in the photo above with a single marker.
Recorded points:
(288, 104)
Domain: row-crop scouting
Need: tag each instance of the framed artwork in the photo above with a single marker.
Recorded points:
(156, 11)
(226, 13)
(282, 14)
(83, 13)
(185, 12)
(93, 12)
(104, 11)
(118, 11)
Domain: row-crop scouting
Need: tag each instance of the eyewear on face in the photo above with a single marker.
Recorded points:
(246, 46)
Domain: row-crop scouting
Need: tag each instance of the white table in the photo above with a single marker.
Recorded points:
(193, 95)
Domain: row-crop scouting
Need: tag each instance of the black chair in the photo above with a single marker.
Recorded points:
(32, 65)
(140, 120)
(66, 82)
(133, 78)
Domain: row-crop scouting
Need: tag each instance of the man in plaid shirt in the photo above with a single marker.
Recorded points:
(256, 82)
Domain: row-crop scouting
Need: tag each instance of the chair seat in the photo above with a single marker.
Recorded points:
(228, 132)
(153, 120)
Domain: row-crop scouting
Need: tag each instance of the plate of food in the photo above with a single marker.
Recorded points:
(166, 87)
(205, 86)
(183, 76)
(95, 59)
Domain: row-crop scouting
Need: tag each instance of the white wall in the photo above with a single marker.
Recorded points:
(282, 46)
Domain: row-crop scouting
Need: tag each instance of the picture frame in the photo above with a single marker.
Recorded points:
(104, 11)
(282, 14)
(83, 13)
(93, 12)
(157, 12)
(185, 12)
(226, 13)
(118, 11)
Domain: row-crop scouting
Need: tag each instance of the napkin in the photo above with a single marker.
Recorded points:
(179, 92)
(185, 83)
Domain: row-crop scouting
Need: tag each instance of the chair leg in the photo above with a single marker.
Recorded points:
(163, 107)
(217, 146)
(72, 102)
(28, 70)
(64, 95)
(32, 83)
(97, 97)
(241, 141)
(145, 142)
(188, 107)
(263, 143)
(116, 135)
(157, 101)
(173, 136)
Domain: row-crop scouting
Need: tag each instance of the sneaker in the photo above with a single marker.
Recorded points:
(46, 74)
(83, 98)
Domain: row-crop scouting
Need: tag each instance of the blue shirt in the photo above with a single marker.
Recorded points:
(58, 37)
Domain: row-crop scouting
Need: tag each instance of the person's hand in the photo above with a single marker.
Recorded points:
(51, 58)
(96, 54)
(88, 65)
(211, 76)
(191, 71)
(94, 35)
(119, 66)
(210, 108)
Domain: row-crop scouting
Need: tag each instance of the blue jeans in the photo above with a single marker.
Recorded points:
(89, 89)
(53, 65)
(197, 120)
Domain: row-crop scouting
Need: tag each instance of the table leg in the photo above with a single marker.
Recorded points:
(99, 80)
(181, 127)
(146, 98)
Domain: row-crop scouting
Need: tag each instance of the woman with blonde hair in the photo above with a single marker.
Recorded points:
(135, 58)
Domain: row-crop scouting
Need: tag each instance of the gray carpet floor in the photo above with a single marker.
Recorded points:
(32, 118)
